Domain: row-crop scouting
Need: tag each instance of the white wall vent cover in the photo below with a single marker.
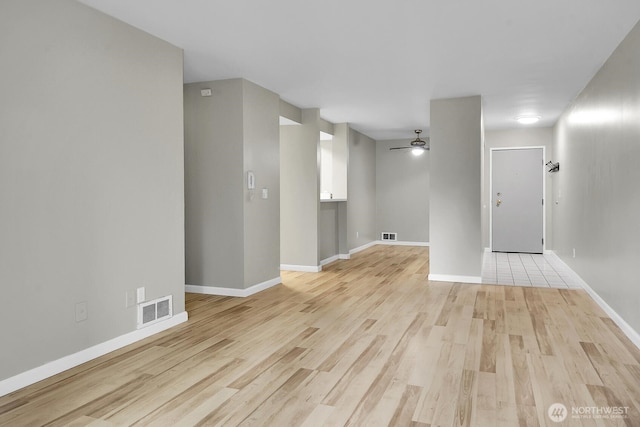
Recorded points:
(150, 312)
(389, 236)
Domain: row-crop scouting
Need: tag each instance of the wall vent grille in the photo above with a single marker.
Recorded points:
(386, 236)
(150, 312)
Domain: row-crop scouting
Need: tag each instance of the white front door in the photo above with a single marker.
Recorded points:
(517, 200)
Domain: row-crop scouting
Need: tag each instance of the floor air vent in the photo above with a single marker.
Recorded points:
(389, 236)
(154, 311)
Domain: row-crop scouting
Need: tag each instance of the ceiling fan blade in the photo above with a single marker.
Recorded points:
(399, 148)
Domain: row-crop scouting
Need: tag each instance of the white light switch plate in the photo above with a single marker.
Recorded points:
(130, 299)
(140, 295)
(81, 311)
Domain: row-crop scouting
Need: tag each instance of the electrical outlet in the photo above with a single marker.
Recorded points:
(357, 234)
(130, 299)
(574, 252)
(81, 311)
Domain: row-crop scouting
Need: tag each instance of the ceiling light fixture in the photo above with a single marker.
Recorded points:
(528, 120)
(417, 146)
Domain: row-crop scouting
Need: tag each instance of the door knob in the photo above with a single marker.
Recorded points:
(498, 203)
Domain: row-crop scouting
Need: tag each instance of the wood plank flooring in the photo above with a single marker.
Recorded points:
(368, 341)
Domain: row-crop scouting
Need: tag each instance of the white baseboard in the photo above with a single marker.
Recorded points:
(362, 248)
(329, 260)
(50, 369)
(631, 333)
(214, 290)
(333, 258)
(401, 243)
(233, 292)
(316, 269)
(303, 268)
(452, 278)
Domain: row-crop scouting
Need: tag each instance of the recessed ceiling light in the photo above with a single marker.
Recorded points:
(528, 120)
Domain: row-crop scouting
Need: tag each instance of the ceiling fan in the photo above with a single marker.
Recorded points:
(417, 146)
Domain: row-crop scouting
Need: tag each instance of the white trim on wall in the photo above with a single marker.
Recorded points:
(233, 292)
(303, 268)
(50, 369)
(214, 290)
(310, 269)
(329, 260)
(363, 247)
(453, 278)
(631, 333)
(333, 259)
(401, 243)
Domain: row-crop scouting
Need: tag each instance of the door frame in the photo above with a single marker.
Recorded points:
(544, 192)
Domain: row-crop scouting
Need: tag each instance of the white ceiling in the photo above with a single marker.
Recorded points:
(376, 64)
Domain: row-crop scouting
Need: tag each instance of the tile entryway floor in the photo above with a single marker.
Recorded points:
(527, 270)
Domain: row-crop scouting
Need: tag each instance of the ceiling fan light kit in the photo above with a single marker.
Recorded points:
(417, 146)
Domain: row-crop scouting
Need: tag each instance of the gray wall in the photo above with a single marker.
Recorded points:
(455, 187)
(596, 191)
(214, 184)
(525, 137)
(262, 156)
(341, 132)
(232, 233)
(91, 178)
(361, 189)
(290, 111)
(402, 192)
(300, 191)
(328, 229)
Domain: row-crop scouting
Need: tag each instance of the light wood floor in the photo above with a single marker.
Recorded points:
(368, 341)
